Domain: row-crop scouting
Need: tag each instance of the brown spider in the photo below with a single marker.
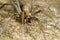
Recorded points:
(25, 14)
(23, 11)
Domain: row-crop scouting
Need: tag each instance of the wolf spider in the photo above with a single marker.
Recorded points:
(27, 15)
(23, 11)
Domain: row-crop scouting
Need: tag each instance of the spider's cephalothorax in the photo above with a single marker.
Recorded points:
(26, 15)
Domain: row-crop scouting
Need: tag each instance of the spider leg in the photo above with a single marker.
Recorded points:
(37, 12)
(4, 5)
